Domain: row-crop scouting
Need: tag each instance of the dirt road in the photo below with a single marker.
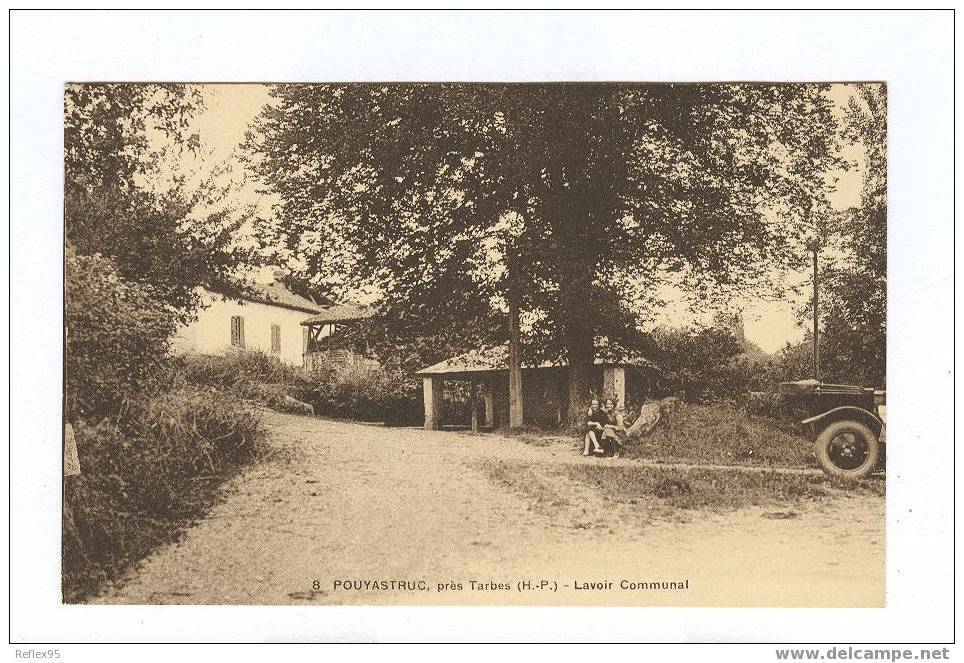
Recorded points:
(341, 511)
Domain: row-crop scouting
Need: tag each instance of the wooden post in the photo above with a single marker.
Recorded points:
(474, 395)
(515, 350)
(489, 396)
(614, 384)
(432, 396)
(816, 317)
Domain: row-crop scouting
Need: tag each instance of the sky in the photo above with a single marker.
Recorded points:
(770, 324)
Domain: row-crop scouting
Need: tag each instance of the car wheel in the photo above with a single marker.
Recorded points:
(847, 449)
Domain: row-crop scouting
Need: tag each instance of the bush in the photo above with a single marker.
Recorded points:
(771, 405)
(185, 433)
(696, 364)
(250, 375)
(365, 392)
(146, 474)
(238, 371)
(116, 336)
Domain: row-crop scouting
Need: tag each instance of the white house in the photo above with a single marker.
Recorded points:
(268, 320)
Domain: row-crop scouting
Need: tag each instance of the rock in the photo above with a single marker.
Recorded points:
(650, 416)
(646, 422)
(294, 406)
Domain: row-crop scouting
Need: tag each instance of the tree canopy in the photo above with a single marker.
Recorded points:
(152, 225)
(598, 192)
(854, 308)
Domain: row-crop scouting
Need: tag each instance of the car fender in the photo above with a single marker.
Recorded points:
(865, 417)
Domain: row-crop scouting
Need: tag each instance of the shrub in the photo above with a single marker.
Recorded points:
(116, 336)
(238, 370)
(146, 474)
(771, 405)
(363, 391)
(250, 375)
(696, 363)
(186, 433)
(366, 392)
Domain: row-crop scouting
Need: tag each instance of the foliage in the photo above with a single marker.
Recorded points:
(237, 371)
(771, 405)
(843, 360)
(110, 130)
(121, 202)
(187, 432)
(854, 353)
(157, 239)
(853, 310)
(146, 474)
(402, 344)
(695, 363)
(113, 131)
(595, 192)
(117, 336)
(251, 375)
(710, 434)
(153, 448)
(364, 392)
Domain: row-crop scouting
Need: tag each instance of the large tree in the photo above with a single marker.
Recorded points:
(126, 190)
(596, 193)
(854, 281)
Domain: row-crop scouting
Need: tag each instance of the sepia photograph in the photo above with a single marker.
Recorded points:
(481, 326)
(569, 343)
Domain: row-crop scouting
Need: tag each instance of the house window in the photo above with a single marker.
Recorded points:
(237, 331)
(276, 339)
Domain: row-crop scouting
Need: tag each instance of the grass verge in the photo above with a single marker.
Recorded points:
(585, 495)
(715, 489)
(146, 475)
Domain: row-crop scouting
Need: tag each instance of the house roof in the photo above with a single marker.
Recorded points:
(273, 294)
(338, 313)
(276, 293)
(496, 358)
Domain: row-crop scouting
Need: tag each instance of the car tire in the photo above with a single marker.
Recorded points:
(847, 449)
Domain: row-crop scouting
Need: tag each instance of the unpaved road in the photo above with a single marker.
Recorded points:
(340, 501)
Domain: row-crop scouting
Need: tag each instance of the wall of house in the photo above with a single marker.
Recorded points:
(211, 332)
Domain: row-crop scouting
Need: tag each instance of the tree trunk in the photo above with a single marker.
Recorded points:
(571, 210)
(581, 358)
(577, 266)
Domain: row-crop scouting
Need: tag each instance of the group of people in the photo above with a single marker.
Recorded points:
(605, 429)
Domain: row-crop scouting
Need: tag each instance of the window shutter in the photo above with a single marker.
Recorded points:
(304, 340)
(237, 331)
(276, 339)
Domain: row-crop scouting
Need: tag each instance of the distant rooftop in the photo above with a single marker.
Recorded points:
(274, 294)
(496, 358)
(338, 313)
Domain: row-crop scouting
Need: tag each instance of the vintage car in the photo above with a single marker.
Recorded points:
(846, 423)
